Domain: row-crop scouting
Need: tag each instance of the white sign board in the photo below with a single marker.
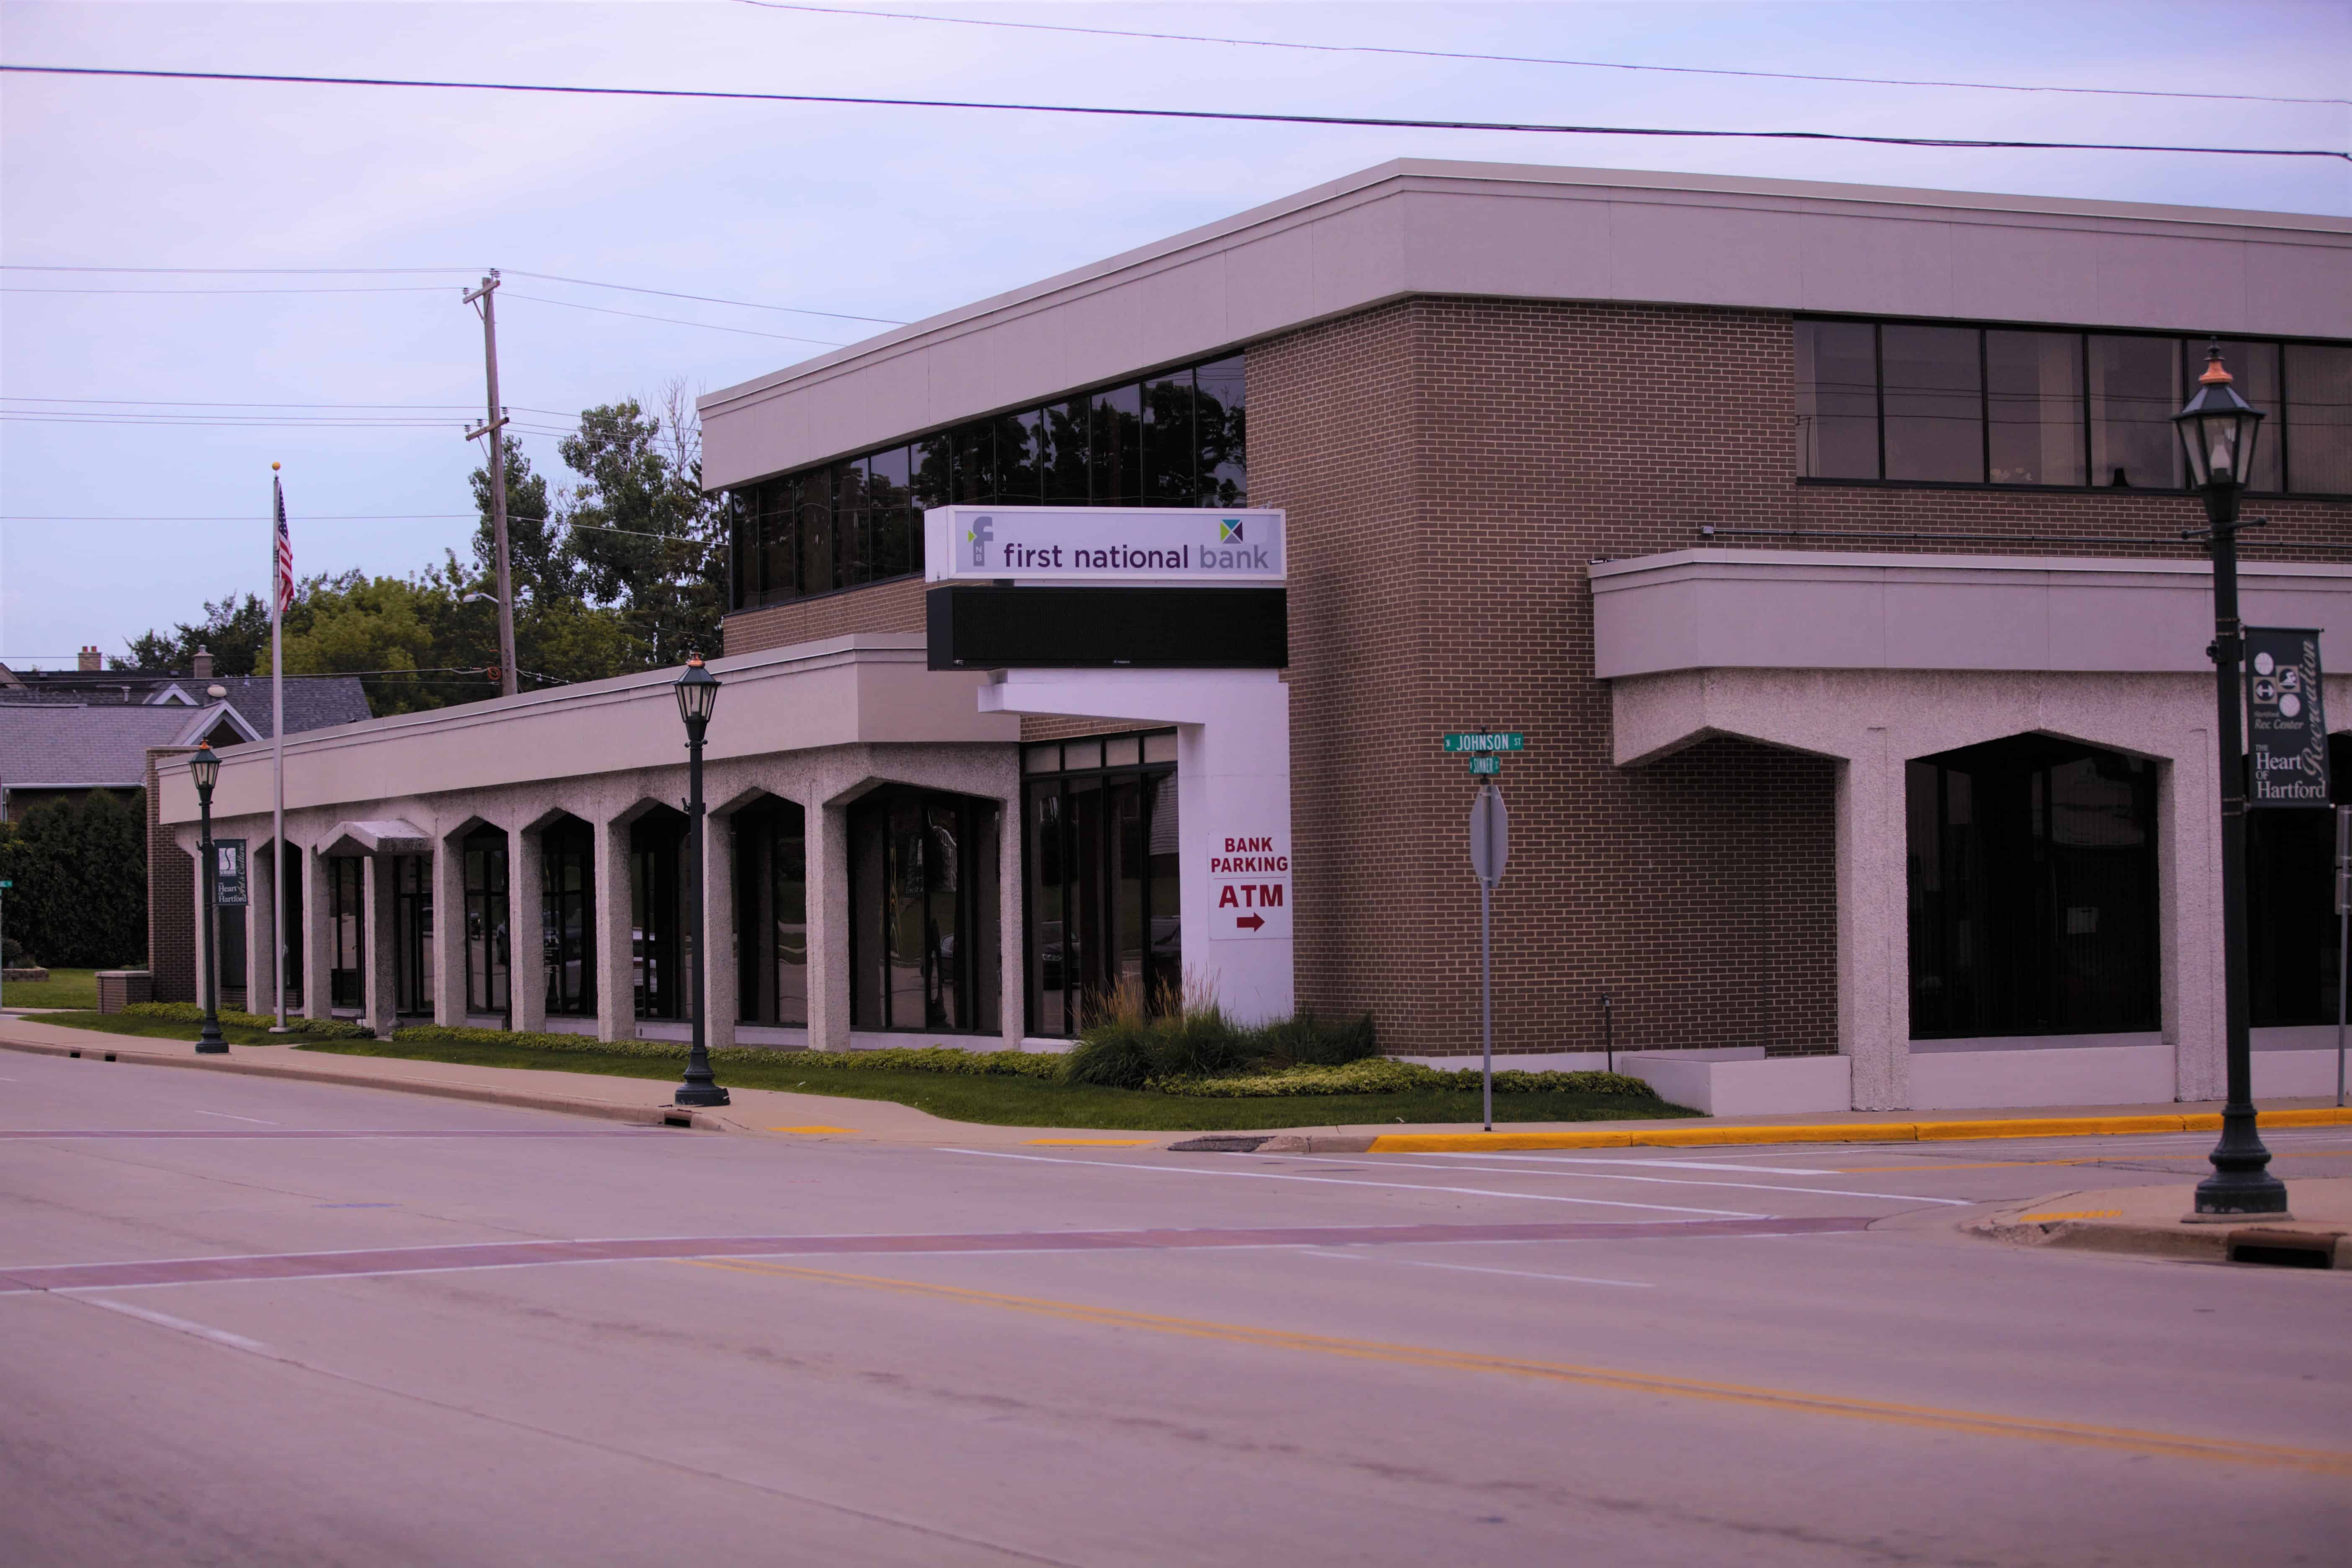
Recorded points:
(1104, 545)
(1249, 887)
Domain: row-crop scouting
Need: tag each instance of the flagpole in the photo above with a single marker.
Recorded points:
(278, 569)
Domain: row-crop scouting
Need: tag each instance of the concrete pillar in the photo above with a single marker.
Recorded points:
(526, 916)
(616, 982)
(828, 924)
(720, 971)
(377, 959)
(260, 932)
(2189, 894)
(449, 874)
(1012, 989)
(1874, 925)
(317, 937)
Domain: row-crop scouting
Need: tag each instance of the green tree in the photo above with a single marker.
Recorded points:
(236, 631)
(81, 872)
(646, 538)
(388, 629)
(536, 559)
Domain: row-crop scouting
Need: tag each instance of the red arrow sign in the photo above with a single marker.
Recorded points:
(1249, 922)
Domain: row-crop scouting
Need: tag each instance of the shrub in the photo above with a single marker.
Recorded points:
(316, 1028)
(943, 1060)
(1304, 1040)
(1384, 1075)
(79, 866)
(1114, 1053)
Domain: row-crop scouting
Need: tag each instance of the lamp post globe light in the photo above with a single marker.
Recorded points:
(204, 768)
(2218, 430)
(697, 695)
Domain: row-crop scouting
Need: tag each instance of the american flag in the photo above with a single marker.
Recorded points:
(285, 595)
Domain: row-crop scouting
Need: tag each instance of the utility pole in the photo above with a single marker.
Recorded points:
(483, 299)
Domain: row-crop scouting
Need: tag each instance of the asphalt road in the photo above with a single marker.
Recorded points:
(255, 1323)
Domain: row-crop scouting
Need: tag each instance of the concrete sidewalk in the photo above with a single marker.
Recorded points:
(773, 1114)
(2149, 1222)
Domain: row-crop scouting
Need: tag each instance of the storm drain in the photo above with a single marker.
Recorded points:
(1223, 1145)
(2282, 1249)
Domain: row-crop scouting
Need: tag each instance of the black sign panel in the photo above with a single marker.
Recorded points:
(231, 883)
(2286, 721)
(978, 626)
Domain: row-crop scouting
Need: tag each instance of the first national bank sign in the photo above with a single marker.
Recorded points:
(1105, 546)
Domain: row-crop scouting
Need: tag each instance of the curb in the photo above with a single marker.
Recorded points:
(642, 1116)
(1672, 1135)
(2273, 1242)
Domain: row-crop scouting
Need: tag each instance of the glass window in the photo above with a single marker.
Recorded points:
(1115, 468)
(1104, 896)
(1042, 760)
(2318, 418)
(1124, 752)
(850, 523)
(890, 501)
(1161, 748)
(1063, 452)
(347, 931)
(1220, 419)
(1169, 447)
(567, 918)
(2135, 385)
(1020, 439)
(656, 908)
(2033, 392)
(772, 914)
(1077, 754)
(815, 540)
(412, 934)
(1837, 400)
(975, 465)
(1934, 406)
(780, 504)
(924, 909)
(935, 469)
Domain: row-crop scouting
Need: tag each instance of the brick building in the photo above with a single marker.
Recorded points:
(1825, 542)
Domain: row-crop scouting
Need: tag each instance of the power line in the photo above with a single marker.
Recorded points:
(673, 321)
(711, 95)
(512, 272)
(705, 298)
(197, 403)
(1530, 59)
(385, 288)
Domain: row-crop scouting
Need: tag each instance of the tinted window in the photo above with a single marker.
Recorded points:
(1933, 408)
(1221, 420)
(2135, 392)
(849, 521)
(1837, 400)
(2318, 418)
(2033, 393)
(1170, 449)
(889, 512)
(1063, 452)
(2254, 370)
(1116, 467)
(815, 500)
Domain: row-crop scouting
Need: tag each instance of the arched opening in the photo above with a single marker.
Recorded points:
(771, 912)
(658, 912)
(923, 912)
(2291, 907)
(2033, 873)
(489, 935)
(567, 916)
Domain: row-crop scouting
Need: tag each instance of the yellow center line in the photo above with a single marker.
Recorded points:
(2072, 1214)
(812, 1130)
(1093, 1142)
(1979, 1423)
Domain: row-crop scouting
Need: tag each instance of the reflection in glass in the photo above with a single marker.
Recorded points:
(889, 503)
(1064, 450)
(1169, 447)
(2034, 391)
(1837, 400)
(567, 916)
(1221, 417)
(656, 913)
(2135, 385)
(1935, 428)
(2318, 418)
(486, 955)
(923, 912)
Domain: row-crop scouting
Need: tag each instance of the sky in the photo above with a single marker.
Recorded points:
(119, 511)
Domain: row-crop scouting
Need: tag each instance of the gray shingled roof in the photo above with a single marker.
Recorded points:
(48, 746)
(312, 702)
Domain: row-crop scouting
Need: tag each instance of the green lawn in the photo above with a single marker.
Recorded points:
(161, 1028)
(1035, 1102)
(63, 988)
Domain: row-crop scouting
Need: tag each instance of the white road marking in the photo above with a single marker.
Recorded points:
(1474, 1269)
(1342, 1182)
(182, 1325)
(1689, 1182)
(227, 1116)
(1662, 1165)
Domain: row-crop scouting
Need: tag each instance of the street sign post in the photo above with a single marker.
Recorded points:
(1487, 741)
(4, 931)
(1484, 766)
(1490, 851)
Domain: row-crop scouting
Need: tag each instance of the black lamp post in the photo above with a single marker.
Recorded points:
(697, 695)
(204, 768)
(2218, 430)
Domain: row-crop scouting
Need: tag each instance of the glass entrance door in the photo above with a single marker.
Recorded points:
(1099, 846)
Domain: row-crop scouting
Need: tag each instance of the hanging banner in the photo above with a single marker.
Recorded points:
(229, 870)
(2286, 721)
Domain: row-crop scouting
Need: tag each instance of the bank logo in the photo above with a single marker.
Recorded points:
(1229, 530)
(978, 535)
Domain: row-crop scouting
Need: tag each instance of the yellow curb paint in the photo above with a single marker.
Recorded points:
(2071, 1213)
(811, 1129)
(1975, 1423)
(1091, 1142)
(1683, 1135)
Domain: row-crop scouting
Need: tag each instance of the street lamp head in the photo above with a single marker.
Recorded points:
(2218, 428)
(698, 693)
(206, 769)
